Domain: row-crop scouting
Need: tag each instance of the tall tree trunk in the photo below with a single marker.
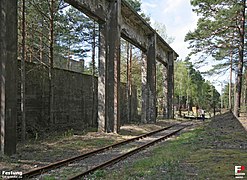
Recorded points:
(187, 92)
(41, 51)
(230, 83)
(237, 104)
(244, 90)
(51, 63)
(31, 55)
(23, 75)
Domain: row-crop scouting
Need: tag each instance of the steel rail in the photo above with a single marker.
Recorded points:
(124, 156)
(44, 169)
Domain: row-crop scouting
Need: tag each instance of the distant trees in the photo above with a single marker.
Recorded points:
(221, 34)
(191, 89)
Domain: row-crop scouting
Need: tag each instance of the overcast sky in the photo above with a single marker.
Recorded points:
(178, 18)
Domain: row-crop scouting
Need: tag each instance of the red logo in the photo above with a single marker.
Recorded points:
(239, 171)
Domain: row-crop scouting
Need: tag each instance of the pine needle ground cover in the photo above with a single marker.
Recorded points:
(208, 152)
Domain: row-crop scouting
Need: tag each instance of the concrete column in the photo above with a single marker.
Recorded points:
(170, 83)
(102, 79)
(165, 87)
(144, 88)
(8, 73)
(151, 79)
(109, 70)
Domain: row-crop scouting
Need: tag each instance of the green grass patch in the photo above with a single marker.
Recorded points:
(217, 163)
(192, 155)
(163, 163)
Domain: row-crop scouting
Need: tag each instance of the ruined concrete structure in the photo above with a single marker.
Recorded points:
(116, 19)
(75, 101)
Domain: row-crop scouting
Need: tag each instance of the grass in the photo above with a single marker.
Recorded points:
(162, 163)
(193, 155)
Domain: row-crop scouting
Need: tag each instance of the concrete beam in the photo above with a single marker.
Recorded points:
(95, 9)
(134, 34)
(8, 73)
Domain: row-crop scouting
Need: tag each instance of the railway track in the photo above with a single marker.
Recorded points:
(89, 162)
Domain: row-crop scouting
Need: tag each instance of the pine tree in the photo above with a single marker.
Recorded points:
(220, 29)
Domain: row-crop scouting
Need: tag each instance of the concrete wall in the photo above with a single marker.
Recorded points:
(73, 101)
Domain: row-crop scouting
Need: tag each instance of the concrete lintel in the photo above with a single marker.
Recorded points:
(131, 38)
(95, 9)
(161, 54)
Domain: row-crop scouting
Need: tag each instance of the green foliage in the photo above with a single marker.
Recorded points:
(191, 89)
(135, 4)
(98, 174)
(161, 29)
(217, 33)
(73, 32)
(220, 34)
(69, 133)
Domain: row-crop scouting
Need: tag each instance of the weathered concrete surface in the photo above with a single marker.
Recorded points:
(113, 69)
(134, 31)
(73, 101)
(102, 79)
(118, 18)
(109, 70)
(165, 92)
(151, 79)
(144, 89)
(170, 83)
(115, 19)
(8, 57)
(95, 9)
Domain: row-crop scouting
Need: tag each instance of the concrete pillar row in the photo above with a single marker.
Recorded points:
(109, 70)
(8, 74)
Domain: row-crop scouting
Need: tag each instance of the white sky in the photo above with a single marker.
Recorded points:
(178, 18)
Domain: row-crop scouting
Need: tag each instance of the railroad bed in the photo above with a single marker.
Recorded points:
(79, 166)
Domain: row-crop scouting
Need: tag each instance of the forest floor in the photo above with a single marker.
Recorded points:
(207, 150)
